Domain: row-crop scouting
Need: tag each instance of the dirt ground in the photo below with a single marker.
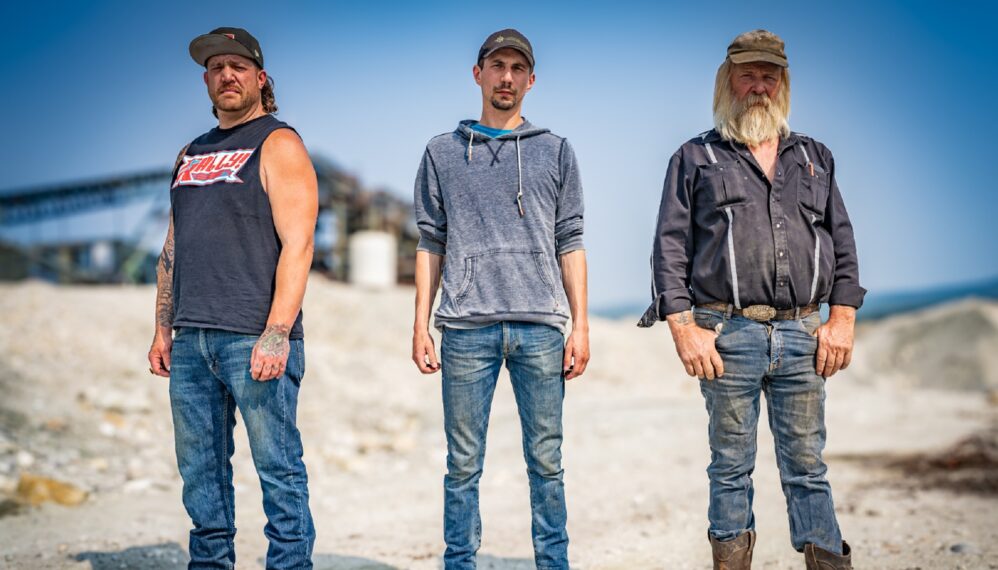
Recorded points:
(79, 406)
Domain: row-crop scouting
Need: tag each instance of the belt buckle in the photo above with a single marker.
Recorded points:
(759, 312)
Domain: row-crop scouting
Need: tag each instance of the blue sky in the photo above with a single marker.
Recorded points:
(902, 92)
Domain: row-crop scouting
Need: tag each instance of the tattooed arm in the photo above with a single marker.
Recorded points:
(162, 342)
(289, 180)
(695, 346)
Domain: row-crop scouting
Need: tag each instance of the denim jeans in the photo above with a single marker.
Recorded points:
(776, 358)
(209, 379)
(470, 363)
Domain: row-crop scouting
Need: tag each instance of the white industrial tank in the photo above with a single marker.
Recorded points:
(373, 259)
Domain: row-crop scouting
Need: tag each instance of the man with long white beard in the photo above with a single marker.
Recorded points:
(752, 237)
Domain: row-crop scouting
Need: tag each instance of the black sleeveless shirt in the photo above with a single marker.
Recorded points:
(226, 246)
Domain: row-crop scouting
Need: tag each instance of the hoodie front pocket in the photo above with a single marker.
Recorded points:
(506, 282)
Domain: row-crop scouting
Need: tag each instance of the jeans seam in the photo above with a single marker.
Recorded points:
(287, 465)
(223, 460)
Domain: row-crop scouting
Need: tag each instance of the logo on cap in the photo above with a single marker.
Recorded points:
(230, 36)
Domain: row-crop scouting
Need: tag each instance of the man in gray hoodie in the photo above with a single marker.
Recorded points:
(499, 208)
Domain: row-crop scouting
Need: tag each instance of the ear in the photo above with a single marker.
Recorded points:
(530, 81)
(477, 73)
(261, 78)
(205, 76)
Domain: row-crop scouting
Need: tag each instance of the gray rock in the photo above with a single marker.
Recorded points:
(963, 548)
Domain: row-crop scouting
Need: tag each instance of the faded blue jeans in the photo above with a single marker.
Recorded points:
(470, 363)
(777, 359)
(209, 379)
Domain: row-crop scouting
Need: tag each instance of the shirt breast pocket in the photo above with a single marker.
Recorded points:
(812, 191)
(721, 184)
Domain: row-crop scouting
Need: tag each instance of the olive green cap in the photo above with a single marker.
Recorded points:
(758, 45)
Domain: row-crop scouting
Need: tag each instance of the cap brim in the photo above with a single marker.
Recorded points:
(203, 47)
(530, 58)
(756, 56)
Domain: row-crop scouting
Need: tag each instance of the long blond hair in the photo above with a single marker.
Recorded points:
(727, 109)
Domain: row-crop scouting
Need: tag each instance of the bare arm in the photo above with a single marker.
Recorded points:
(290, 183)
(427, 281)
(162, 342)
(573, 276)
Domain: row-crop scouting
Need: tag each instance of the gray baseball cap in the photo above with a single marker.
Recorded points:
(508, 38)
(758, 45)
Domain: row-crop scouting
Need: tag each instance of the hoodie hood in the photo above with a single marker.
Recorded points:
(526, 129)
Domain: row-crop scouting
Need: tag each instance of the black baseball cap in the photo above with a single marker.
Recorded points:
(508, 38)
(226, 40)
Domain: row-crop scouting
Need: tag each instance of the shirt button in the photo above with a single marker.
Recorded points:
(777, 225)
(780, 172)
(780, 254)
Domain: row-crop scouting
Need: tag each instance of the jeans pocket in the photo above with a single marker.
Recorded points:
(811, 322)
(708, 319)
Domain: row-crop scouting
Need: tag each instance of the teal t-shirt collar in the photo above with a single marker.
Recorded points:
(489, 131)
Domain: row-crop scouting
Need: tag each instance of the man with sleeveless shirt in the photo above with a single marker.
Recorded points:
(230, 282)
(499, 210)
(753, 235)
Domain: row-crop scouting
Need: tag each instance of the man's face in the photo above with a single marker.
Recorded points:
(755, 82)
(505, 77)
(234, 82)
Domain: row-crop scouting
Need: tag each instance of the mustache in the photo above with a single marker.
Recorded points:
(762, 100)
(231, 85)
(504, 87)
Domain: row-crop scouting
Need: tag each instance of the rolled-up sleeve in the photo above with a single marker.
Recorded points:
(671, 248)
(845, 282)
(431, 219)
(568, 218)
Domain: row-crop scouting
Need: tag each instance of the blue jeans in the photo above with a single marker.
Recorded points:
(470, 363)
(209, 378)
(777, 358)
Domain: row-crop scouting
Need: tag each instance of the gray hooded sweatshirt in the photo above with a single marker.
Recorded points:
(500, 210)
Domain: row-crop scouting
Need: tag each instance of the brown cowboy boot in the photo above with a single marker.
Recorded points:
(734, 554)
(816, 558)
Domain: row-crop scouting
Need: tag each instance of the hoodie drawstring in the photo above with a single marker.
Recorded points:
(470, 139)
(519, 178)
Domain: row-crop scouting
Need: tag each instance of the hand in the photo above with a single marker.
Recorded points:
(835, 340)
(576, 354)
(423, 352)
(270, 354)
(159, 353)
(695, 347)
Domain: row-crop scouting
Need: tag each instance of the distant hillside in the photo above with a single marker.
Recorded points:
(879, 305)
(876, 306)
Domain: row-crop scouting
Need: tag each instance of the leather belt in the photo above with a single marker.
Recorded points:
(762, 313)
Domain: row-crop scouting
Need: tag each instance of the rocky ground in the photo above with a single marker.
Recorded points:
(88, 476)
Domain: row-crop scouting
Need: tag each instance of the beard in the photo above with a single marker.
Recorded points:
(505, 104)
(750, 121)
(246, 100)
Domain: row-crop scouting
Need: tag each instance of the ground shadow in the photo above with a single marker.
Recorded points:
(166, 556)
(337, 562)
(489, 562)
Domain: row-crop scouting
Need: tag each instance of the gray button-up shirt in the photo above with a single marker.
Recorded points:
(725, 233)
